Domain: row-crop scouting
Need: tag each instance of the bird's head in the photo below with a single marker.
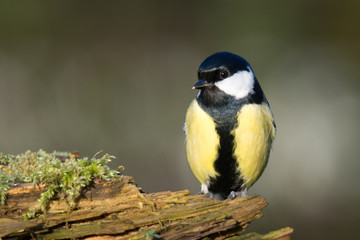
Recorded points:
(226, 73)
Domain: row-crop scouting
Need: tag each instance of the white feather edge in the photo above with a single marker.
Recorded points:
(204, 188)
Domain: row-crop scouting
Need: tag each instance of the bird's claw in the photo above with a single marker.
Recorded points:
(234, 194)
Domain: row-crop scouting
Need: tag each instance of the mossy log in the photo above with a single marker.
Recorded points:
(118, 210)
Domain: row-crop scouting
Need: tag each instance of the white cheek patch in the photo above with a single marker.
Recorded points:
(239, 85)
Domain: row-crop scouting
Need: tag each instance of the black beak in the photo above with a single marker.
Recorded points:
(200, 84)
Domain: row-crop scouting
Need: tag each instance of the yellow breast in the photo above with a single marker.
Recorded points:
(253, 137)
(202, 142)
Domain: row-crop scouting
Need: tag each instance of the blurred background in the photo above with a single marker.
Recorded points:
(117, 76)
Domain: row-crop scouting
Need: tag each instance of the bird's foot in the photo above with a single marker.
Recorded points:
(208, 195)
(234, 194)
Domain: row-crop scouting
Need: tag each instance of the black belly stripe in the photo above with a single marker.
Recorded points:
(224, 109)
(226, 165)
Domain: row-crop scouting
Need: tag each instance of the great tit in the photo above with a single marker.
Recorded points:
(229, 127)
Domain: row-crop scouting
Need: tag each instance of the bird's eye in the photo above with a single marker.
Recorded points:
(224, 74)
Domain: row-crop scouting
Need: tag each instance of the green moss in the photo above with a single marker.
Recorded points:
(64, 175)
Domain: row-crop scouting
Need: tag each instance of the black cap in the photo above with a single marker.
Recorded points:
(232, 62)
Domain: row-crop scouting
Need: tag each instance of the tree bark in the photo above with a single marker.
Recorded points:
(118, 210)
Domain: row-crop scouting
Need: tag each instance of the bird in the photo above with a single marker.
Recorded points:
(229, 127)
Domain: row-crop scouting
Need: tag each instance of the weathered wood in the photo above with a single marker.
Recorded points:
(281, 234)
(117, 210)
